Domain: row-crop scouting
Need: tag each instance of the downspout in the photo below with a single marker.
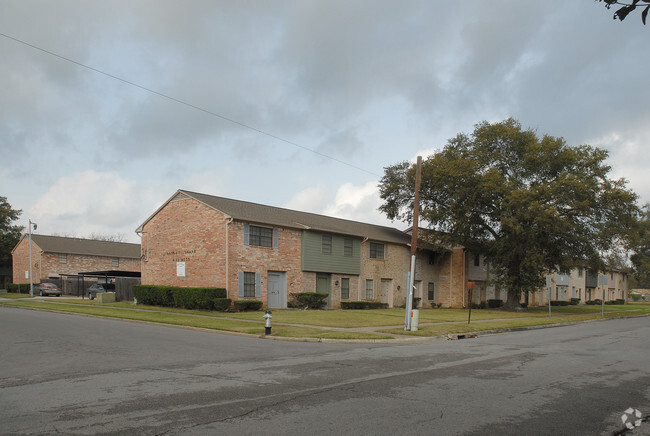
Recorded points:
(361, 291)
(228, 221)
(464, 269)
(451, 274)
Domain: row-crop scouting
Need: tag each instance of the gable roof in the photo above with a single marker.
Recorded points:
(89, 247)
(277, 216)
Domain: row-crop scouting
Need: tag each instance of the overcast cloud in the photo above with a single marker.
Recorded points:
(369, 83)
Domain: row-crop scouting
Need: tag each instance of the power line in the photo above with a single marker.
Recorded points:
(184, 103)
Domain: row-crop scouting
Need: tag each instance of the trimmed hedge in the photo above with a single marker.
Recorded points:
(617, 301)
(493, 304)
(309, 300)
(245, 305)
(185, 298)
(559, 303)
(574, 301)
(19, 288)
(596, 301)
(362, 305)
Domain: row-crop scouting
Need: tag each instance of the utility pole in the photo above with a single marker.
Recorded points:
(414, 245)
(31, 280)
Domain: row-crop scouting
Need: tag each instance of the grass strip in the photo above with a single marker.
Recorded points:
(190, 320)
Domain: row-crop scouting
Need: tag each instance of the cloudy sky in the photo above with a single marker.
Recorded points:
(108, 107)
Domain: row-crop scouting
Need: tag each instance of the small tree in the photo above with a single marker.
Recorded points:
(9, 233)
(641, 257)
(532, 205)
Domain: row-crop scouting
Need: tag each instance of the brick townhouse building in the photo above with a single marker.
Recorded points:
(55, 255)
(267, 253)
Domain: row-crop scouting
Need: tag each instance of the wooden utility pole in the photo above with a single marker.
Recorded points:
(414, 245)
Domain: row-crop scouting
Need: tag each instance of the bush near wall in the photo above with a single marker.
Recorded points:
(246, 305)
(574, 301)
(309, 300)
(362, 305)
(617, 301)
(18, 288)
(493, 304)
(596, 301)
(559, 303)
(185, 298)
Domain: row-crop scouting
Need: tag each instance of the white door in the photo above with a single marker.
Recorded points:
(276, 289)
(386, 295)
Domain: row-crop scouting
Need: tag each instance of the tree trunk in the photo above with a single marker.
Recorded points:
(513, 301)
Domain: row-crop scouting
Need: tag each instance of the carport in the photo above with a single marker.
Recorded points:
(122, 281)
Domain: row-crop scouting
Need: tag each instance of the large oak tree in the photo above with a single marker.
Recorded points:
(9, 233)
(531, 204)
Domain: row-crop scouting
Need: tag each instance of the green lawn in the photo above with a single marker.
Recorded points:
(337, 324)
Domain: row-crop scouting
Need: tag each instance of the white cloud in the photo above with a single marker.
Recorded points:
(89, 202)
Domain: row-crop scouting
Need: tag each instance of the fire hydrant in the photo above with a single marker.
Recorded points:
(267, 327)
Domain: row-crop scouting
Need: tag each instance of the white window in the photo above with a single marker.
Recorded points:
(376, 250)
(63, 258)
(345, 288)
(116, 261)
(370, 289)
(327, 244)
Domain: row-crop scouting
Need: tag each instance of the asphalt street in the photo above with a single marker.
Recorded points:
(72, 374)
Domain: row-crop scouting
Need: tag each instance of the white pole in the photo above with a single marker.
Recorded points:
(409, 297)
(31, 275)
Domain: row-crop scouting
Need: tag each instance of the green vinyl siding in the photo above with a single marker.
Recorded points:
(338, 261)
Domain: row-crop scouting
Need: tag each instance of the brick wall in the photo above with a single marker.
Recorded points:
(20, 262)
(251, 258)
(185, 230)
(46, 265)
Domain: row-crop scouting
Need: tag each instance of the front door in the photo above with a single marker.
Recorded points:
(387, 292)
(277, 289)
(324, 285)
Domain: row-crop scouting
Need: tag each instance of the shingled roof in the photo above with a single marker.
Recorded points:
(89, 247)
(277, 216)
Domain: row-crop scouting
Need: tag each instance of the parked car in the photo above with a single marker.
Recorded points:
(95, 289)
(48, 289)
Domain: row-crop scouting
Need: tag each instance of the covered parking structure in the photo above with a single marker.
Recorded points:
(121, 282)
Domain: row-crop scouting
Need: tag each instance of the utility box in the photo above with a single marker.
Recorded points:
(415, 320)
(106, 297)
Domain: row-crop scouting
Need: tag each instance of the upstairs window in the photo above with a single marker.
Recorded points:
(261, 236)
(376, 250)
(327, 244)
(347, 247)
(63, 258)
(116, 261)
(477, 260)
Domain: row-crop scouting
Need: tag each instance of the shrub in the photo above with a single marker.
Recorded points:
(245, 305)
(19, 288)
(574, 301)
(593, 302)
(174, 296)
(360, 305)
(620, 301)
(559, 303)
(493, 304)
(475, 306)
(309, 300)
(221, 304)
(436, 305)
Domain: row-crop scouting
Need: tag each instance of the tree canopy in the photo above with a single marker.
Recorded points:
(9, 233)
(532, 205)
(628, 7)
(641, 257)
